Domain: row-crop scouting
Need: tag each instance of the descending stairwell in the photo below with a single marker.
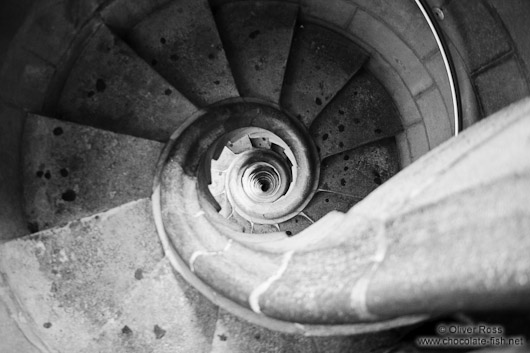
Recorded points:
(332, 96)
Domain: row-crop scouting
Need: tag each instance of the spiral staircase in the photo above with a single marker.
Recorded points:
(163, 142)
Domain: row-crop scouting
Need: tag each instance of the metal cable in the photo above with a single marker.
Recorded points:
(448, 61)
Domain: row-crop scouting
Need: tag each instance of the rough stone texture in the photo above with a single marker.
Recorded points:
(11, 338)
(468, 259)
(435, 117)
(418, 141)
(389, 45)
(122, 15)
(325, 202)
(320, 64)
(72, 171)
(514, 15)
(335, 12)
(362, 112)
(436, 67)
(182, 43)
(164, 315)
(99, 285)
(25, 78)
(12, 224)
(233, 335)
(460, 175)
(501, 85)
(257, 38)
(112, 88)
(396, 87)
(403, 150)
(12, 14)
(360, 171)
(295, 225)
(52, 25)
(482, 33)
(405, 19)
(377, 342)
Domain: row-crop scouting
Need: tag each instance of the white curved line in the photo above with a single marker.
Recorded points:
(253, 299)
(446, 63)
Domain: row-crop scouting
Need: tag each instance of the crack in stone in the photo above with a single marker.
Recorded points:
(198, 253)
(253, 299)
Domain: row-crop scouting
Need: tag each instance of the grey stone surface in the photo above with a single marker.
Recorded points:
(112, 88)
(257, 39)
(182, 43)
(418, 141)
(99, 284)
(162, 314)
(233, 335)
(515, 14)
(320, 64)
(12, 223)
(52, 25)
(336, 12)
(436, 67)
(403, 149)
(435, 117)
(405, 20)
(25, 78)
(12, 14)
(72, 171)
(500, 86)
(402, 58)
(483, 35)
(122, 15)
(11, 337)
(362, 112)
(360, 171)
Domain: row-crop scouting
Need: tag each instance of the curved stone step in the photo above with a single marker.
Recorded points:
(182, 43)
(321, 62)
(362, 112)
(101, 284)
(112, 88)
(359, 171)
(257, 36)
(72, 171)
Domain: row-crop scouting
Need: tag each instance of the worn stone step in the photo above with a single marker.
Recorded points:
(257, 36)
(182, 43)
(360, 113)
(112, 88)
(72, 171)
(101, 284)
(321, 62)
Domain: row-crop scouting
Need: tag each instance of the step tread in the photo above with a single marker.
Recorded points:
(182, 43)
(321, 62)
(72, 171)
(112, 88)
(360, 113)
(360, 171)
(257, 38)
(101, 283)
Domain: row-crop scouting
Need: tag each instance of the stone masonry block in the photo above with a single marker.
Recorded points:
(337, 12)
(500, 86)
(380, 37)
(435, 117)
(418, 141)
